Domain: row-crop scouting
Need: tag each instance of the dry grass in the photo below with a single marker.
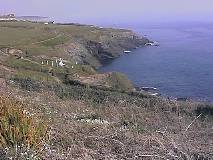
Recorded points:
(18, 130)
(91, 123)
(123, 127)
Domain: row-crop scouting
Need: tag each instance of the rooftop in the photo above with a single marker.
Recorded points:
(8, 16)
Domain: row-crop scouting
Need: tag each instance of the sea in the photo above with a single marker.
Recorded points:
(181, 67)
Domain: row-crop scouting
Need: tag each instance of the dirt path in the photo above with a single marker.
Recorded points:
(59, 35)
(31, 61)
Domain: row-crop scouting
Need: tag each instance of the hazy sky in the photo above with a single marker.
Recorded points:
(112, 11)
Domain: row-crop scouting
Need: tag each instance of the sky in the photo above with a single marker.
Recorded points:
(112, 11)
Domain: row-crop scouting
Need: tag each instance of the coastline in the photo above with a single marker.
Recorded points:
(111, 44)
(87, 114)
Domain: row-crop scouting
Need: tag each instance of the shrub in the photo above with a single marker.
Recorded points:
(120, 81)
(27, 84)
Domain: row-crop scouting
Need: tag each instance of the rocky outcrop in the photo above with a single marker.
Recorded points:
(109, 49)
(11, 51)
(108, 44)
(111, 80)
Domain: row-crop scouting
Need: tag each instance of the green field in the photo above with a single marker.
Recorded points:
(25, 33)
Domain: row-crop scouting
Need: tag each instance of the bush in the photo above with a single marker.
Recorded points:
(120, 82)
(27, 84)
(206, 110)
(19, 136)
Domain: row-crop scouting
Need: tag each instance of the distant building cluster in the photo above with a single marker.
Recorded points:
(57, 62)
(9, 17)
(12, 17)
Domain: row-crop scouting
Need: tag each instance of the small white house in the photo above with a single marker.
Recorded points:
(61, 63)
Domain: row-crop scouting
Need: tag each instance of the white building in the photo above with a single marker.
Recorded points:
(61, 62)
(9, 17)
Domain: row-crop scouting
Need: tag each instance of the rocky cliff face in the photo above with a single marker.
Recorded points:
(107, 46)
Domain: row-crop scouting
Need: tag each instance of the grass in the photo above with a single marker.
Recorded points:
(26, 68)
(92, 94)
(37, 50)
(24, 64)
(83, 70)
(36, 39)
(24, 33)
(89, 117)
(110, 123)
(34, 75)
(18, 130)
(60, 40)
(65, 41)
(119, 81)
(12, 34)
(32, 68)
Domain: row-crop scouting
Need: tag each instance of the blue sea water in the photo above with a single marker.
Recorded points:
(182, 66)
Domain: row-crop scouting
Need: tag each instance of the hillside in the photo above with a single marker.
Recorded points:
(34, 49)
(82, 43)
(51, 111)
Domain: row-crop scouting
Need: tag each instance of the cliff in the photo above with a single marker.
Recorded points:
(99, 45)
(113, 45)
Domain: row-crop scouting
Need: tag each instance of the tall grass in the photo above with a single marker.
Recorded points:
(18, 130)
